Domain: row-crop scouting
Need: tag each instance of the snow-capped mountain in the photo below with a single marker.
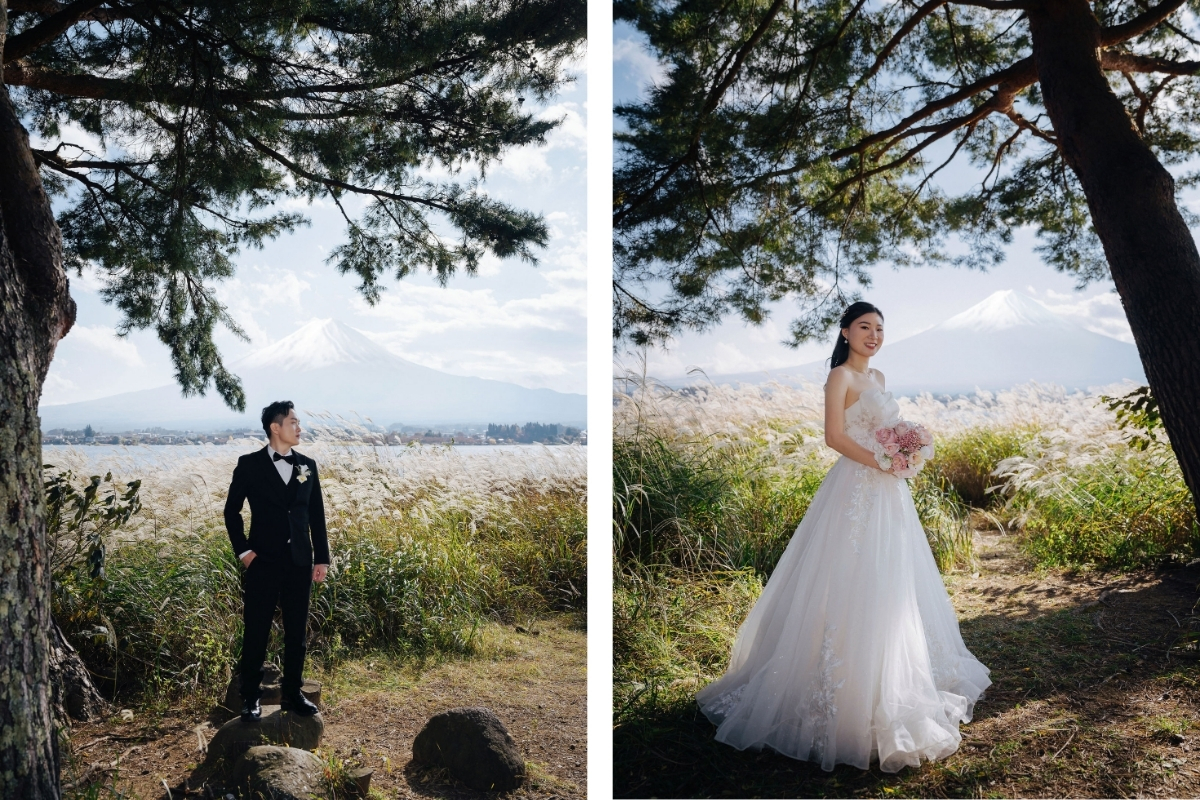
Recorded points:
(327, 366)
(1007, 339)
(320, 343)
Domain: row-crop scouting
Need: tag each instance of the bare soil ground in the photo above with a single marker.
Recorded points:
(373, 708)
(1095, 694)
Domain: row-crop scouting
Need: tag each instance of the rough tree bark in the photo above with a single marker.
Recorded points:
(36, 311)
(73, 693)
(1151, 254)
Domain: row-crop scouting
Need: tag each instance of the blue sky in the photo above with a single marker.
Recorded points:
(911, 299)
(513, 322)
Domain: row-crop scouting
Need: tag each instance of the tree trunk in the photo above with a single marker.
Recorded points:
(35, 312)
(1151, 254)
(73, 695)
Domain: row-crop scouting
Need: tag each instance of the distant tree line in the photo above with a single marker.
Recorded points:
(531, 432)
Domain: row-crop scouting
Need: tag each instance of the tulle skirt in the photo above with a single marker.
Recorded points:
(853, 652)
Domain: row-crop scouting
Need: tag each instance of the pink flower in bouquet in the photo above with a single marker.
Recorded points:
(903, 448)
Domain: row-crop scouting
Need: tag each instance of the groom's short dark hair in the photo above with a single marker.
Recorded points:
(276, 412)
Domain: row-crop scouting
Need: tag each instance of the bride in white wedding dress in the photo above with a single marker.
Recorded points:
(853, 652)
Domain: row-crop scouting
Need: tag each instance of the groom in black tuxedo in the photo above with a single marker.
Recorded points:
(287, 535)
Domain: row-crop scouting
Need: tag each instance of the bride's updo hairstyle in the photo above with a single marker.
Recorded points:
(841, 350)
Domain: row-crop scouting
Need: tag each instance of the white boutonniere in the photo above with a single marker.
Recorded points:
(303, 476)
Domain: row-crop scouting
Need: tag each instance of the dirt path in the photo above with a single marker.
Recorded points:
(1095, 694)
(374, 708)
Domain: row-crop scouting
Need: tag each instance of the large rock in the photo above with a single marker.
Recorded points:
(275, 727)
(280, 773)
(474, 747)
(271, 690)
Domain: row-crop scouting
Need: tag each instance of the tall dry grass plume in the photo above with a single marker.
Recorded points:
(427, 543)
(710, 482)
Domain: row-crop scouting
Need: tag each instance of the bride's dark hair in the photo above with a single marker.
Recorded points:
(841, 350)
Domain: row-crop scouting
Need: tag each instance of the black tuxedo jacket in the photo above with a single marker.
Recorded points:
(278, 512)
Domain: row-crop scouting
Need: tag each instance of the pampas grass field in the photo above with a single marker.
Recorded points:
(710, 483)
(427, 546)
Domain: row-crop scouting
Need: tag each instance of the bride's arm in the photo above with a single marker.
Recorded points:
(835, 421)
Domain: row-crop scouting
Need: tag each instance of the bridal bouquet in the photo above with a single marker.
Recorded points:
(903, 448)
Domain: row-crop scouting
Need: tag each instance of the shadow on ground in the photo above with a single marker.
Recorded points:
(1094, 690)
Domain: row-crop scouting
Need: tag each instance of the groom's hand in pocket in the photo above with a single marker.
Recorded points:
(248, 557)
(319, 571)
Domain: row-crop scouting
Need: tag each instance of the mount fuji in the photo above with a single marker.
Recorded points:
(1005, 340)
(327, 366)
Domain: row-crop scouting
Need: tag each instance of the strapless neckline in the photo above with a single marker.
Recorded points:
(862, 393)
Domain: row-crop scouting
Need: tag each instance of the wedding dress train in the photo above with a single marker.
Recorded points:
(853, 650)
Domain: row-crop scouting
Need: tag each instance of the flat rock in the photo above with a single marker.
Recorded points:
(474, 747)
(275, 727)
(280, 773)
(272, 692)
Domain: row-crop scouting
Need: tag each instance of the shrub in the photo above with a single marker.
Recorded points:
(963, 463)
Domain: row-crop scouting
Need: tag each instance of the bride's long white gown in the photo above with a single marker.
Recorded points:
(853, 650)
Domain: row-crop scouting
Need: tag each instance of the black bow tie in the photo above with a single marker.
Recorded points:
(290, 458)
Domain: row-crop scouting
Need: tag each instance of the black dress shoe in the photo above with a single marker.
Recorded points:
(298, 704)
(251, 710)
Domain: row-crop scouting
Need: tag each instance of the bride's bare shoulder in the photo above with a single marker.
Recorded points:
(838, 376)
(879, 377)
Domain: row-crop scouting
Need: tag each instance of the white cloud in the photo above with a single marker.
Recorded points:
(249, 301)
(104, 341)
(88, 280)
(645, 69)
(569, 262)
(1102, 313)
(524, 164)
(489, 265)
(57, 389)
(423, 310)
(571, 133)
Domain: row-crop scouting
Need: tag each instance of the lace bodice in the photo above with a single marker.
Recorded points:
(873, 409)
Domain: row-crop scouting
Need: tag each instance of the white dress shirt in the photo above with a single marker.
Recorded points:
(285, 473)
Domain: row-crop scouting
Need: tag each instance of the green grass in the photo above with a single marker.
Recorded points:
(1123, 512)
(703, 509)
(164, 624)
(963, 463)
(699, 529)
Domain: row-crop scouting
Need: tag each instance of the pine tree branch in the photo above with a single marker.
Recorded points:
(95, 87)
(1131, 62)
(1013, 78)
(48, 29)
(999, 102)
(83, 86)
(710, 103)
(921, 13)
(715, 96)
(1143, 22)
(117, 166)
(997, 5)
(334, 183)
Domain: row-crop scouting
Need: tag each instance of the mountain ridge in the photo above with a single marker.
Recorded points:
(326, 366)
(1004, 340)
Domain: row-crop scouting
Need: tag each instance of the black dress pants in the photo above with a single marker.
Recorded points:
(266, 586)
